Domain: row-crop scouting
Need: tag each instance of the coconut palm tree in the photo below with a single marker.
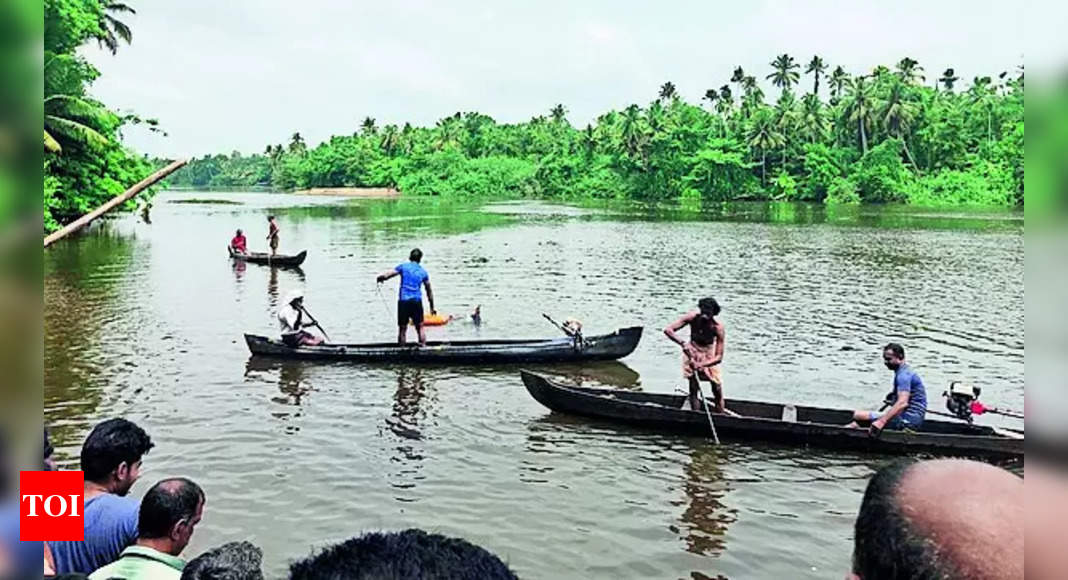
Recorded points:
(813, 121)
(71, 119)
(558, 113)
(711, 95)
(367, 127)
(764, 135)
(738, 76)
(839, 80)
(296, 144)
(897, 116)
(982, 94)
(860, 107)
(632, 132)
(949, 78)
(112, 29)
(816, 67)
(753, 96)
(909, 71)
(667, 91)
(390, 139)
(785, 74)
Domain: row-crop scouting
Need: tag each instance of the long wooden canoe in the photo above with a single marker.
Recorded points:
(605, 347)
(797, 425)
(280, 260)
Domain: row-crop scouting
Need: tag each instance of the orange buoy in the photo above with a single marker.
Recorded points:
(436, 319)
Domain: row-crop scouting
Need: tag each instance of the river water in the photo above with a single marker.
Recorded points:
(145, 321)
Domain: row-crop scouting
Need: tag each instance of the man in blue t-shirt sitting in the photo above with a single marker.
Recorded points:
(908, 400)
(410, 301)
(111, 460)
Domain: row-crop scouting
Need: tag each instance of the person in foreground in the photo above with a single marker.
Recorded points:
(239, 244)
(169, 513)
(703, 353)
(908, 400)
(409, 555)
(292, 322)
(410, 300)
(232, 561)
(941, 519)
(111, 461)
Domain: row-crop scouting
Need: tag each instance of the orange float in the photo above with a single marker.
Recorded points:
(436, 319)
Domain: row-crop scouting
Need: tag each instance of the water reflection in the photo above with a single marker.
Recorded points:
(292, 386)
(614, 374)
(704, 521)
(406, 422)
(294, 272)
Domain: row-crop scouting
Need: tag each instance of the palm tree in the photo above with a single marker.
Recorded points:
(390, 139)
(655, 117)
(982, 95)
(448, 131)
(367, 127)
(632, 132)
(70, 119)
(764, 135)
(909, 70)
(816, 67)
(859, 108)
(754, 96)
(667, 91)
(112, 29)
(785, 74)
(558, 114)
(589, 141)
(813, 122)
(711, 95)
(949, 78)
(839, 80)
(897, 116)
(296, 144)
(738, 76)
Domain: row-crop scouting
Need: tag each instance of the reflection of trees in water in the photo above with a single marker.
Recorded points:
(292, 387)
(705, 519)
(82, 284)
(406, 421)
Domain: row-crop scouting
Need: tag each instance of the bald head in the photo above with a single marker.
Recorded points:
(944, 518)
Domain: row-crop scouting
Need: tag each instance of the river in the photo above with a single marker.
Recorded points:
(145, 321)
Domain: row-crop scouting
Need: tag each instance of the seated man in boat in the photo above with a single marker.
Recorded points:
(292, 322)
(410, 300)
(704, 351)
(908, 400)
(239, 244)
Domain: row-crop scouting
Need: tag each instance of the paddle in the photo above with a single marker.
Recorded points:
(315, 322)
(558, 326)
(704, 404)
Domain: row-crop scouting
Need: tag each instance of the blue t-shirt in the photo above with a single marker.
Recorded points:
(412, 277)
(27, 556)
(110, 526)
(905, 379)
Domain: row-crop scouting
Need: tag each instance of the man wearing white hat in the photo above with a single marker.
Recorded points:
(291, 321)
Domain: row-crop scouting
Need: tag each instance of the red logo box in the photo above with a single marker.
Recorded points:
(51, 506)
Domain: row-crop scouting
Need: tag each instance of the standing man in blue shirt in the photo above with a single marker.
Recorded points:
(908, 400)
(410, 301)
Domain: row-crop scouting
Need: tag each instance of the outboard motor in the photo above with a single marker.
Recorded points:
(959, 399)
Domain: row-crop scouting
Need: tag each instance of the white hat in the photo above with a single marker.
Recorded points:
(293, 295)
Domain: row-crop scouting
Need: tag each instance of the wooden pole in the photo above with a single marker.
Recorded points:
(119, 199)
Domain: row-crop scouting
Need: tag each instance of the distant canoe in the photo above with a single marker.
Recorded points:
(280, 260)
(545, 350)
(789, 424)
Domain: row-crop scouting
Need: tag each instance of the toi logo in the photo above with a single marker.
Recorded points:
(51, 506)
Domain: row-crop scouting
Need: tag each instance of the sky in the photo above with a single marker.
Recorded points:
(240, 74)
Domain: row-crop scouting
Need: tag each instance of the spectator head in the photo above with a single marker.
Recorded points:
(111, 454)
(233, 561)
(946, 518)
(169, 512)
(411, 554)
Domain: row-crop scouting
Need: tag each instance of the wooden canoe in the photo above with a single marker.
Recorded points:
(796, 425)
(605, 347)
(280, 260)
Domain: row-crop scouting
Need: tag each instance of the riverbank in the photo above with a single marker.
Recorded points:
(363, 192)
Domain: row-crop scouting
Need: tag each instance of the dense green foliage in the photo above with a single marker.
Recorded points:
(85, 163)
(886, 136)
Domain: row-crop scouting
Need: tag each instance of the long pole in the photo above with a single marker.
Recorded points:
(704, 403)
(118, 199)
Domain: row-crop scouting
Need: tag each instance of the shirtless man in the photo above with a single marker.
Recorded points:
(704, 351)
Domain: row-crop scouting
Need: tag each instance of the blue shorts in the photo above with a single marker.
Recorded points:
(899, 422)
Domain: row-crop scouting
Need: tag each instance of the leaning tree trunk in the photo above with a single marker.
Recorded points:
(863, 137)
(763, 167)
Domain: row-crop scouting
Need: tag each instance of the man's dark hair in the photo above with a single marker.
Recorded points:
(233, 561)
(416, 255)
(708, 306)
(897, 349)
(402, 555)
(111, 443)
(270, 217)
(884, 545)
(167, 503)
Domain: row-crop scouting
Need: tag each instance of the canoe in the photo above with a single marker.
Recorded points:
(280, 260)
(605, 347)
(774, 422)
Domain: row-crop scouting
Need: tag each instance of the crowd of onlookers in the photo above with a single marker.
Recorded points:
(929, 519)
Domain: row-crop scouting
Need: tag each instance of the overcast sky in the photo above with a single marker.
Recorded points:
(239, 74)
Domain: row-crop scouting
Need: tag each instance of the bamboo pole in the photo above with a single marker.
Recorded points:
(119, 199)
